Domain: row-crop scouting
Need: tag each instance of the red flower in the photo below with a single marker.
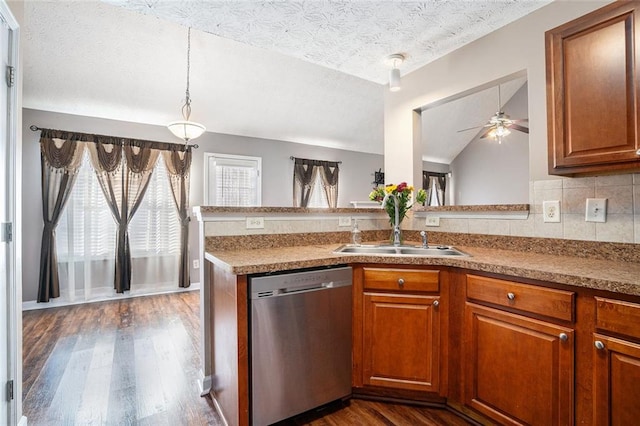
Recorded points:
(401, 186)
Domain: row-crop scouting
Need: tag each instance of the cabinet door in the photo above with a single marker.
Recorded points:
(592, 92)
(616, 387)
(401, 336)
(517, 370)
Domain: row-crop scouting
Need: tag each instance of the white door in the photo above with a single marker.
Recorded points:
(8, 145)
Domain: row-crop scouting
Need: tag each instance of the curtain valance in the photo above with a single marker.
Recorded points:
(112, 140)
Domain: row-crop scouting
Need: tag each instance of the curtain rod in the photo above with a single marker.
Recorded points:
(293, 158)
(35, 128)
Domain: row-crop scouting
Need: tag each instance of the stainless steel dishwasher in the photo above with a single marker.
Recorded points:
(300, 342)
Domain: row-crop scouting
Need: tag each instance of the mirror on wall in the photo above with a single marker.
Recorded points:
(480, 158)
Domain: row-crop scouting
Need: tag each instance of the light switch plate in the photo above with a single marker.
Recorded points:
(596, 210)
(551, 211)
(254, 222)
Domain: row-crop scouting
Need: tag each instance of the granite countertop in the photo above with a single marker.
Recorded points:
(616, 276)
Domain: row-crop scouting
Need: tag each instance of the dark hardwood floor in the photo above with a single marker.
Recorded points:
(136, 361)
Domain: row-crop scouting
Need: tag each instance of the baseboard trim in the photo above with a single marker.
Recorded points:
(31, 305)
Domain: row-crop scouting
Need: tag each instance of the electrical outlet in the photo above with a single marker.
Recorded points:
(432, 221)
(551, 211)
(344, 221)
(255, 222)
(596, 210)
(196, 263)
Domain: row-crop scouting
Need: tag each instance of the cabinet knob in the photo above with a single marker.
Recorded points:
(563, 337)
(638, 152)
(599, 345)
(436, 303)
(511, 296)
(400, 281)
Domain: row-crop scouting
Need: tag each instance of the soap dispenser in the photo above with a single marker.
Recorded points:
(356, 235)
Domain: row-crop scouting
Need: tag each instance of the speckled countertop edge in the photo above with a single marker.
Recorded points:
(614, 276)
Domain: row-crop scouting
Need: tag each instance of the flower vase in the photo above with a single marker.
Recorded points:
(391, 239)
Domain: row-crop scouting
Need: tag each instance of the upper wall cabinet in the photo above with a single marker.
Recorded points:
(592, 92)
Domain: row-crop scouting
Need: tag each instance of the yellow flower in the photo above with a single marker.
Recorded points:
(390, 188)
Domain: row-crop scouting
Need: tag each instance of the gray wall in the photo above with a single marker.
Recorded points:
(356, 172)
(486, 172)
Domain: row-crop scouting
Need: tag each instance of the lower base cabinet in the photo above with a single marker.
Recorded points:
(518, 370)
(397, 330)
(401, 334)
(616, 362)
(616, 381)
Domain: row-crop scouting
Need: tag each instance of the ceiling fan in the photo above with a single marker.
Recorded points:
(500, 124)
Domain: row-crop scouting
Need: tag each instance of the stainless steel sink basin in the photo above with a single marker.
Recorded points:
(431, 251)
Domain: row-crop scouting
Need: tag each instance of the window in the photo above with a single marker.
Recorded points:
(318, 198)
(86, 239)
(233, 180)
(87, 229)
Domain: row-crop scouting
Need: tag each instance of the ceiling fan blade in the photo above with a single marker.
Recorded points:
(519, 128)
(473, 128)
(486, 132)
(520, 120)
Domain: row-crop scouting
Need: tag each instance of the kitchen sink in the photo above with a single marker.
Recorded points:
(403, 250)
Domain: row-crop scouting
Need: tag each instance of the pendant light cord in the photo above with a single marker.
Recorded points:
(186, 109)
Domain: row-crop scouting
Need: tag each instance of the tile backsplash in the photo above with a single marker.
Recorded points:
(623, 212)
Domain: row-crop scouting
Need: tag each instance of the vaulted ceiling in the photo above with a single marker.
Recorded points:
(303, 71)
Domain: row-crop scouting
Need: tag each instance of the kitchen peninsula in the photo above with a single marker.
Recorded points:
(563, 309)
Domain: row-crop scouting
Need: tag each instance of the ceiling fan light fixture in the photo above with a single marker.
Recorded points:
(186, 129)
(394, 74)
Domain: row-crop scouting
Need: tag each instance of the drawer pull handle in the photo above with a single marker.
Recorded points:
(563, 337)
(511, 296)
(436, 303)
(599, 345)
(400, 281)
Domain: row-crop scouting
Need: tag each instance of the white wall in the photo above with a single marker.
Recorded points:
(356, 172)
(515, 47)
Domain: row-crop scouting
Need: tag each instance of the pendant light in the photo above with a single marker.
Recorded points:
(394, 75)
(186, 129)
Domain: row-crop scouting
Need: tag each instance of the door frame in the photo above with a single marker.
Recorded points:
(14, 198)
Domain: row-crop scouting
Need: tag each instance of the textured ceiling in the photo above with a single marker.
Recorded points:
(353, 37)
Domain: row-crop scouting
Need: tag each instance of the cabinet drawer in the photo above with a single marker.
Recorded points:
(617, 316)
(401, 279)
(529, 298)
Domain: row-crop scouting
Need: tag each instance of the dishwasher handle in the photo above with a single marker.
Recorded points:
(288, 291)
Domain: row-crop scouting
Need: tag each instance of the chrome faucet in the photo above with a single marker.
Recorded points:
(425, 242)
(396, 225)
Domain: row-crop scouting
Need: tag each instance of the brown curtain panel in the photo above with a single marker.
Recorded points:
(329, 172)
(304, 174)
(178, 162)
(123, 173)
(60, 159)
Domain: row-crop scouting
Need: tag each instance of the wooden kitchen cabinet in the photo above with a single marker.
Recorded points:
(517, 369)
(397, 329)
(592, 92)
(616, 375)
